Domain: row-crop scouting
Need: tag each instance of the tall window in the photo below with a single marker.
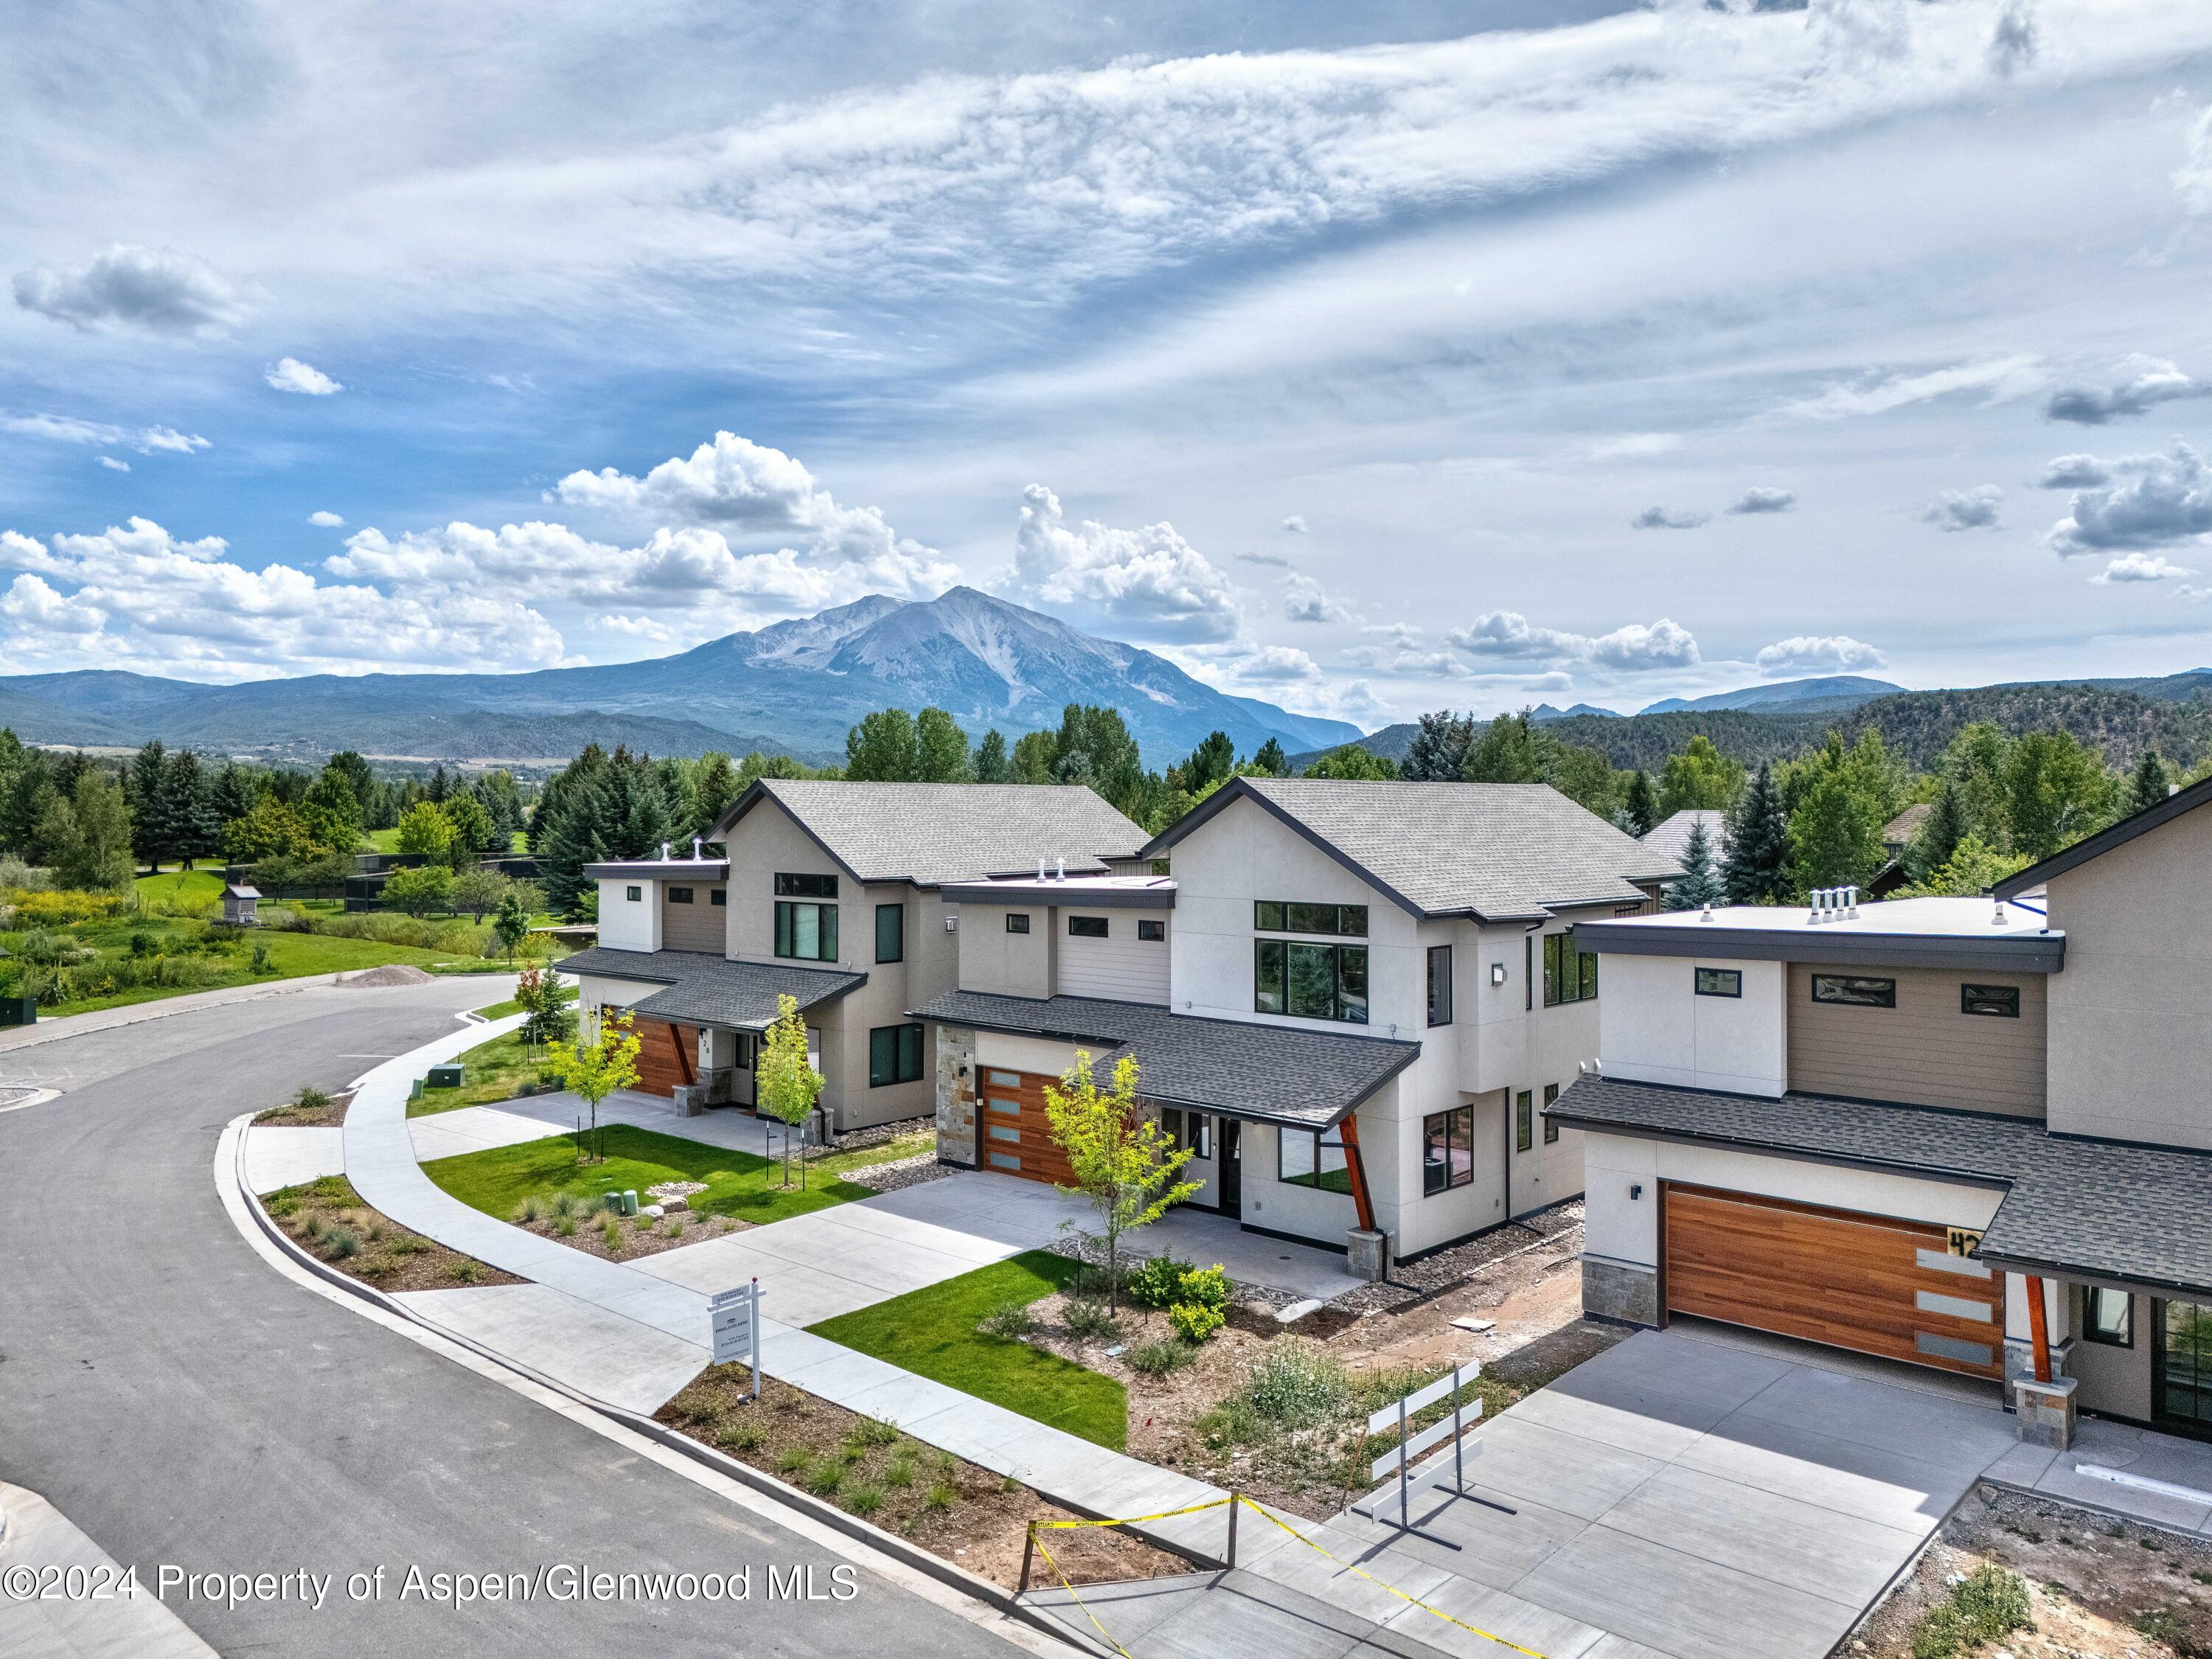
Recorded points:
(1302, 1158)
(1279, 916)
(1570, 975)
(891, 933)
(805, 933)
(894, 1055)
(1447, 1150)
(1312, 981)
(1440, 985)
(1551, 1099)
(1524, 1120)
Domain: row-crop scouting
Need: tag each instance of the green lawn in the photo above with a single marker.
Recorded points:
(931, 1332)
(200, 887)
(738, 1184)
(501, 1010)
(492, 1072)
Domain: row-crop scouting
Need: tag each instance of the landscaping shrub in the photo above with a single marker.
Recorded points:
(864, 1499)
(828, 1476)
(610, 1231)
(1086, 1319)
(1011, 1321)
(741, 1437)
(340, 1245)
(17, 877)
(792, 1459)
(1193, 1321)
(1293, 1384)
(1158, 1359)
(527, 1212)
(873, 1431)
(464, 1271)
(1156, 1283)
(1989, 1603)
(64, 908)
(899, 1472)
(940, 1498)
(311, 1099)
(1207, 1287)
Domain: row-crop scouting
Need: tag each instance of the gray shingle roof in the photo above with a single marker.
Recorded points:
(1275, 1073)
(933, 833)
(2073, 1206)
(1502, 851)
(1670, 837)
(711, 990)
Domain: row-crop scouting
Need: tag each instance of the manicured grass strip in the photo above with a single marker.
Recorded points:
(492, 1072)
(738, 1184)
(931, 1332)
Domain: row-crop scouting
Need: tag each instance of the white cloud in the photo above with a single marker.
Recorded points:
(1634, 648)
(290, 374)
(1824, 654)
(1661, 518)
(1276, 665)
(1150, 582)
(1295, 524)
(68, 429)
(115, 465)
(1999, 379)
(2150, 501)
(2192, 180)
(1764, 498)
(149, 288)
(2139, 567)
(1638, 647)
(1305, 601)
(165, 438)
(1965, 510)
(1275, 559)
(2151, 382)
(324, 520)
(2074, 472)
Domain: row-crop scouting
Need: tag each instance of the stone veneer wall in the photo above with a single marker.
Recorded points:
(957, 1078)
(1624, 1292)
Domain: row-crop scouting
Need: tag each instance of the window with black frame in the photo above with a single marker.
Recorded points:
(1311, 982)
(1440, 985)
(1855, 990)
(1998, 1001)
(894, 1055)
(1303, 1158)
(2108, 1316)
(1720, 982)
(1281, 916)
(1570, 975)
(1551, 1099)
(1447, 1150)
(805, 933)
(891, 933)
(1524, 1120)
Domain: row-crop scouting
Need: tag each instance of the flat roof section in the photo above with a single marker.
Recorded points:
(1930, 932)
(1104, 892)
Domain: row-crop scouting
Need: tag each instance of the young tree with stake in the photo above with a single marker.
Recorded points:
(595, 1070)
(788, 1084)
(1123, 1161)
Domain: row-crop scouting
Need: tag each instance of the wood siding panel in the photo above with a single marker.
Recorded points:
(1923, 1052)
(1848, 1281)
(666, 1055)
(702, 924)
(1041, 1156)
(1120, 967)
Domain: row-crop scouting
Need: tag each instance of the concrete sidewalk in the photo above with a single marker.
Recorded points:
(35, 1534)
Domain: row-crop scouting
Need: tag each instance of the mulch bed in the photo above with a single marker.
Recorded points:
(328, 1220)
(952, 1508)
(634, 1236)
(288, 1116)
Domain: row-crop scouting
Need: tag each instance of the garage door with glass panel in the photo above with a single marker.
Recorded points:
(1903, 1290)
(1017, 1135)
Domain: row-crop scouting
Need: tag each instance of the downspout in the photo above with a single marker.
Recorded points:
(1348, 1131)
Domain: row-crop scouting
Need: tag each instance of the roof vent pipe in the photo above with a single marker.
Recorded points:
(663, 852)
(1706, 915)
(1063, 869)
(2172, 788)
(1041, 864)
(698, 851)
(1851, 902)
(1998, 920)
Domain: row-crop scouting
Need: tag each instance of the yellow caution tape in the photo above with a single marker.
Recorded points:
(1133, 1520)
(1077, 1599)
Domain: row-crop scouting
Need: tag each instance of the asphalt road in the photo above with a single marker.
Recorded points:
(183, 1403)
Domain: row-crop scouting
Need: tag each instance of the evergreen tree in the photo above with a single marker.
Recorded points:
(31, 793)
(1756, 868)
(1438, 752)
(187, 809)
(1269, 760)
(1940, 832)
(440, 786)
(497, 792)
(350, 766)
(883, 748)
(1211, 763)
(940, 749)
(151, 838)
(1700, 884)
(715, 790)
(2147, 787)
(1640, 805)
(331, 811)
(234, 792)
(1509, 750)
(991, 763)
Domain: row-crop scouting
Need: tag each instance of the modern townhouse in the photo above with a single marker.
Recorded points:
(830, 893)
(1974, 1134)
(1351, 1001)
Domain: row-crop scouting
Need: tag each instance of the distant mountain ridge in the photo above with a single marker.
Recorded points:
(1829, 694)
(793, 687)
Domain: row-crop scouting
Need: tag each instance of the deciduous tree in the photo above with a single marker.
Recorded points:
(1122, 1160)
(786, 1082)
(593, 1071)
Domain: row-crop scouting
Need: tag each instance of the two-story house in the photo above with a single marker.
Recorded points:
(1971, 1134)
(830, 893)
(1351, 1001)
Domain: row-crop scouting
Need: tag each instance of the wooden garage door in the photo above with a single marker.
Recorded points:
(1011, 1134)
(1870, 1283)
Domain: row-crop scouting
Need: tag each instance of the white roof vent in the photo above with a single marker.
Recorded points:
(663, 852)
(1063, 869)
(1706, 915)
(1041, 866)
(1998, 920)
(698, 850)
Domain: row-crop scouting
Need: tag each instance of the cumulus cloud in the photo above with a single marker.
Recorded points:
(324, 520)
(68, 429)
(1305, 601)
(2153, 382)
(1150, 582)
(129, 287)
(2013, 43)
(2139, 567)
(1998, 379)
(1295, 524)
(1661, 518)
(2074, 472)
(115, 465)
(1634, 648)
(290, 374)
(2149, 501)
(1818, 653)
(178, 443)
(1762, 498)
(1965, 509)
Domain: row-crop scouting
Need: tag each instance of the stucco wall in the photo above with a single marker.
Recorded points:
(2114, 1379)
(1654, 1028)
(1924, 1051)
(626, 923)
(1000, 964)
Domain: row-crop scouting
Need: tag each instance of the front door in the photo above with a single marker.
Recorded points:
(1228, 1171)
(2183, 1356)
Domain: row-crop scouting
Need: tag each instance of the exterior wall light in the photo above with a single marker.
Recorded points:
(1497, 973)
(1635, 1189)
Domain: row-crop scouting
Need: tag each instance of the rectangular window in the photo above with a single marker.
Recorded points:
(1524, 1120)
(1191, 1131)
(894, 1055)
(1551, 1099)
(1005, 1131)
(1004, 1161)
(1302, 1158)
(1570, 975)
(1005, 1079)
(1017, 922)
(1858, 993)
(744, 1051)
(634, 894)
(1152, 933)
(680, 896)
(1276, 916)
(1528, 971)
(806, 933)
(1720, 982)
(1440, 985)
(1447, 1150)
(1311, 981)
(1011, 1108)
(2001, 1000)
(2108, 1316)
(891, 933)
(816, 887)
(1086, 927)
(719, 897)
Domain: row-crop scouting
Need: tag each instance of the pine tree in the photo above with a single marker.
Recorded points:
(1700, 884)
(1269, 758)
(991, 764)
(1438, 752)
(151, 838)
(187, 808)
(440, 786)
(2149, 785)
(1641, 806)
(1756, 868)
(1939, 833)
(1211, 763)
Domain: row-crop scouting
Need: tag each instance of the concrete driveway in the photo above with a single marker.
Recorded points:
(1686, 1493)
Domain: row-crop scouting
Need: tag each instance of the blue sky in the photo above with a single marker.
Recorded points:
(1365, 359)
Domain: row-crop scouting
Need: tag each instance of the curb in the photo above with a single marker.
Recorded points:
(901, 1550)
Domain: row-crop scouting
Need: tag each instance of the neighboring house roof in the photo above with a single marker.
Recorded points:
(933, 833)
(2102, 1209)
(1271, 1074)
(1670, 837)
(1906, 824)
(240, 890)
(1499, 851)
(661, 869)
(710, 990)
(1924, 933)
(2119, 834)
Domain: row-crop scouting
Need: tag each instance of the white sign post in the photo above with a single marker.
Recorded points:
(1400, 1458)
(736, 1316)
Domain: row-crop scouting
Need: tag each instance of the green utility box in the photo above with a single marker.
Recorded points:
(19, 1011)
(444, 1077)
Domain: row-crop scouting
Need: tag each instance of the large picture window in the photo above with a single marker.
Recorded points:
(894, 1055)
(1311, 982)
(1280, 917)
(1570, 975)
(1302, 1158)
(1440, 985)
(1447, 1150)
(805, 933)
(814, 887)
(891, 933)
(1856, 992)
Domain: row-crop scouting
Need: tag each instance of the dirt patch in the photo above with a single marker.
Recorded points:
(2096, 1588)
(397, 973)
(951, 1508)
(330, 1114)
(327, 1219)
